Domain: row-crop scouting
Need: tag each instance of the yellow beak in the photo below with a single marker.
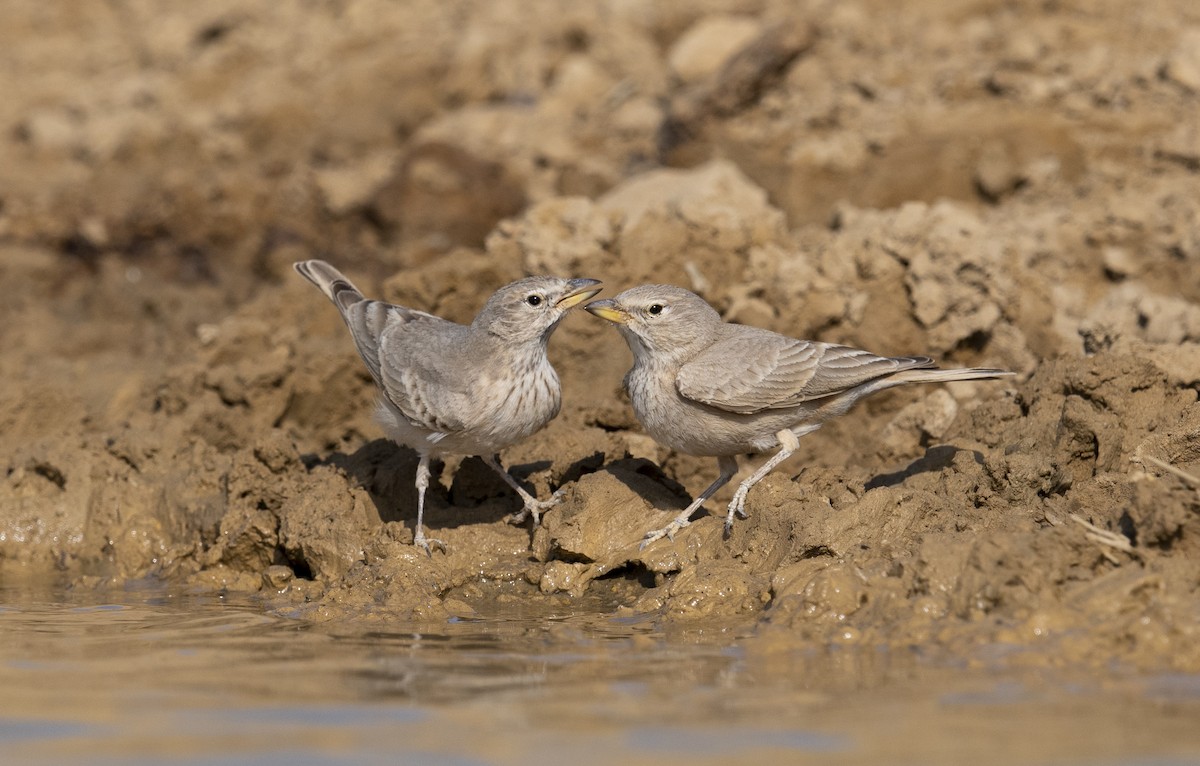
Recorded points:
(581, 290)
(607, 309)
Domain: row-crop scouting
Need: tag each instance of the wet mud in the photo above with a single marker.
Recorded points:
(992, 184)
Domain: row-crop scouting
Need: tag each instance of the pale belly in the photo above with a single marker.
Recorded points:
(697, 429)
(496, 418)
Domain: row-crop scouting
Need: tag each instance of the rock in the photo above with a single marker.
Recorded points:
(1183, 62)
(1118, 263)
(830, 593)
(276, 451)
(561, 576)
(605, 514)
(50, 130)
(996, 172)
(708, 45)
(746, 75)
(443, 194)
(956, 281)
(642, 446)
(249, 538)
(1132, 310)
(278, 577)
(715, 589)
(930, 417)
(325, 527)
(717, 197)
(344, 188)
(564, 236)
(705, 220)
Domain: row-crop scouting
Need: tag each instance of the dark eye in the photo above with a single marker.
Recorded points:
(534, 300)
(656, 308)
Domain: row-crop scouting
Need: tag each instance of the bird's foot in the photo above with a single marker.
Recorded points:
(737, 507)
(668, 532)
(535, 508)
(427, 544)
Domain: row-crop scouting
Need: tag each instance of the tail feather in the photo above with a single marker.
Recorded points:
(365, 319)
(330, 281)
(946, 376)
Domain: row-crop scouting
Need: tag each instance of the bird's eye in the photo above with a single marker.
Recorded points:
(656, 309)
(534, 300)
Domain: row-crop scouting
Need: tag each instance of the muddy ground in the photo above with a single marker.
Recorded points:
(992, 183)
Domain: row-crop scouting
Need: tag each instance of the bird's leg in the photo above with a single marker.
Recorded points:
(788, 443)
(532, 506)
(727, 464)
(419, 539)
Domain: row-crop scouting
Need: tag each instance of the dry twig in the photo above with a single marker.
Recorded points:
(1103, 537)
(1176, 472)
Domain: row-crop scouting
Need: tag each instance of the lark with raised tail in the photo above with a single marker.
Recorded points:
(447, 388)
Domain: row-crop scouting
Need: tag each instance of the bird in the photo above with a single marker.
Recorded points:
(706, 387)
(449, 388)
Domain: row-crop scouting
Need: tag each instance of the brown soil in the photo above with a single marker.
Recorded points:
(1002, 184)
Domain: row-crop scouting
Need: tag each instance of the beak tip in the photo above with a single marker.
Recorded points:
(580, 291)
(580, 284)
(607, 309)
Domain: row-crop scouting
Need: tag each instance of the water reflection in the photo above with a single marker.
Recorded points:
(185, 678)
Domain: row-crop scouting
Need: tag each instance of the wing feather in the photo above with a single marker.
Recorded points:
(749, 370)
(402, 348)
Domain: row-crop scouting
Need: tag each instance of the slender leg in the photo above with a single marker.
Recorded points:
(533, 506)
(727, 464)
(419, 539)
(788, 443)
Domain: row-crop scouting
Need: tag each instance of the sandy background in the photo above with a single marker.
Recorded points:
(1002, 184)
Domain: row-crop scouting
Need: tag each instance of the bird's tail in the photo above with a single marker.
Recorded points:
(946, 376)
(330, 281)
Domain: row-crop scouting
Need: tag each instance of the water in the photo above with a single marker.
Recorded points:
(169, 678)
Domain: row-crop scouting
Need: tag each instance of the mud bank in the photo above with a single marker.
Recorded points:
(993, 185)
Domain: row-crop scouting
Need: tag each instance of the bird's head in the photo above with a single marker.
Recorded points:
(660, 322)
(529, 309)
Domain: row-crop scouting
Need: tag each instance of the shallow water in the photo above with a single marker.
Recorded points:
(157, 677)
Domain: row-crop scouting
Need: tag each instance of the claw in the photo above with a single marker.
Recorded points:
(737, 507)
(650, 537)
(535, 508)
(518, 517)
(668, 532)
(427, 544)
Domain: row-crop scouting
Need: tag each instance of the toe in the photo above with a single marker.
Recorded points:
(517, 518)
(650, 537)
(428, 544)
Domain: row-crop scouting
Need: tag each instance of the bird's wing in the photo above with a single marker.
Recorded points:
(369, 320)
(406, 352)
(750, 370)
